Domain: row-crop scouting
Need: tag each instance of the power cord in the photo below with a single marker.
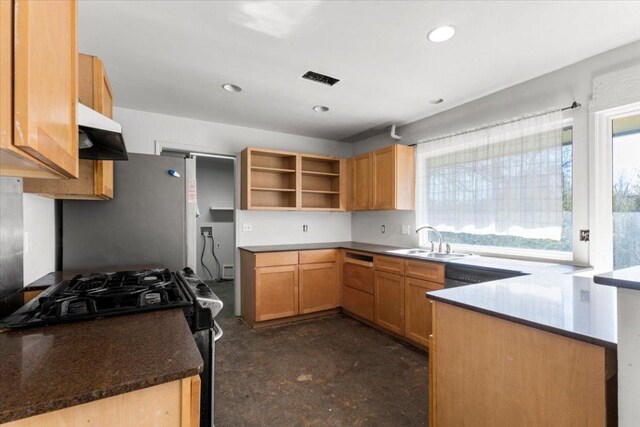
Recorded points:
(204, 247)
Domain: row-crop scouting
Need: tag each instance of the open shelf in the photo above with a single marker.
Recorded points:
(274, 170)
(320, 192)
(320, 183)
(320, 201)
(320, 173)
(280, 180)
(270, 198)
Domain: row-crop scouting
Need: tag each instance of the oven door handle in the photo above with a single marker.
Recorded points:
(218, 331)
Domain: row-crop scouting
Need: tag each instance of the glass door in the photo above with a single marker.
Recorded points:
(625, 168)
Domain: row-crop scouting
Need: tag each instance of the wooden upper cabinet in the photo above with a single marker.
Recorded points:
(283, 180)
(39, 75)
(361, 182)
(383, 179)
(95, 180)
(393, 178)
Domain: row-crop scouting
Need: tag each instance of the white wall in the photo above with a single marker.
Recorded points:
(280, 228)
(559, 88)
(141, 129)
(39, 224)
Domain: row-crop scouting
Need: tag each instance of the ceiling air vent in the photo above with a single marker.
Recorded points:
(320, 78)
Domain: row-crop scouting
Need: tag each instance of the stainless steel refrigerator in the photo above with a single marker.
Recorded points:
(144, 224)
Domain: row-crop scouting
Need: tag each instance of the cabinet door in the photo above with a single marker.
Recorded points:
(361, 185)
(358, 302)
(318, 287)
(276, 292)
(46, 82)
(417, 309)
(102, 103)
(103, 178)
(383, 164)
(358, 277)
(389, 297)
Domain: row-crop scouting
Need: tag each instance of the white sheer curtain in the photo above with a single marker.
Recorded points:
(504, 179)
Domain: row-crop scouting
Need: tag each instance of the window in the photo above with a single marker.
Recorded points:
(506, 189)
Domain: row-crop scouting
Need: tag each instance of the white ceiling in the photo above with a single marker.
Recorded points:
(172, 56)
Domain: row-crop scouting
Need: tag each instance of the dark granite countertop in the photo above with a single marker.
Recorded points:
(625, 278)
(565, 304)
(547, 297)
(527, 267)
(365, 247)
(54, 367)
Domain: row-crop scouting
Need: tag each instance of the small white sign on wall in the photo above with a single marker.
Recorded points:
(192, 192)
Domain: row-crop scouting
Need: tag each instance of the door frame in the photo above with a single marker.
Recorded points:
(190, 222)
(601, 116)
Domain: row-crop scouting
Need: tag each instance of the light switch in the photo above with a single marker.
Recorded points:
(406, 229)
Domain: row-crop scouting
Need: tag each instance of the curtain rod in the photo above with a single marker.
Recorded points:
(573, 106)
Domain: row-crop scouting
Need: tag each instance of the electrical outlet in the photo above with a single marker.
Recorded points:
(246, 226)
(406, 229)
(305, 228)
(206, 231)
(383, 229)
(217, 245)
(584, 235)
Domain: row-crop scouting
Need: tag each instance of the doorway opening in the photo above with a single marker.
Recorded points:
(211, 184)
(215, 225)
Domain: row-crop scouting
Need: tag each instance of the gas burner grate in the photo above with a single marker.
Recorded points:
(94, 295)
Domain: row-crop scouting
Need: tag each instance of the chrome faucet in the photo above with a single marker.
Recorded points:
(440, 238)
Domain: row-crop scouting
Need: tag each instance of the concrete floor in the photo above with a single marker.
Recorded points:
(332, 371)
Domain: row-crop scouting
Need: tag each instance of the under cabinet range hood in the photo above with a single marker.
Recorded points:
(100, 138)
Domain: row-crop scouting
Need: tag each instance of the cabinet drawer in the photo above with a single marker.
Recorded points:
(358, 277)
(312, 257)
(271, 259)
(431, 271)
(389, 264)
(358, 302)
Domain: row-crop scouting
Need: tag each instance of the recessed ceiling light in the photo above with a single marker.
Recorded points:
(231, 87)
(320, 108)
(437, 101)
(441, 34)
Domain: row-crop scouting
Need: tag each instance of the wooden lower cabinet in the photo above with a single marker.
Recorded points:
(318, 285)
(358, 302)
(486, 371)
(276, 292)
(417, 309)
(389, 301)
(176, 403)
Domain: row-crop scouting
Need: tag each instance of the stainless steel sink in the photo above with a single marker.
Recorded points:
(424, 253)
(419, 252)
(442, 255)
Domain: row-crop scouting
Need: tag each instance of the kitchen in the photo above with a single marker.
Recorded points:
(395, 223)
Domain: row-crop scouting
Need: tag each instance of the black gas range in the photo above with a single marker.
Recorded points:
(103, 294)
